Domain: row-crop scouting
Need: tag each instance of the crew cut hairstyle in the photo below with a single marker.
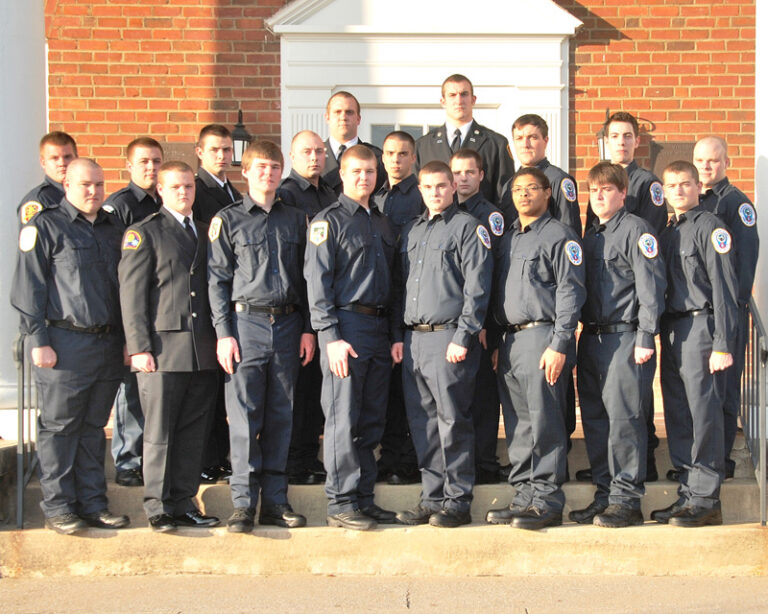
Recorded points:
(436, 166)
(267, 150)
(174, 165)
(456, 78)
(536, 173)
(215, 130)
(682, 166)
(142, 141)
(605, 172)
(402, 136)
(358, 152)
(531, 119)
(622, 116)
(343, 94)
(465, 153)
(59, 138)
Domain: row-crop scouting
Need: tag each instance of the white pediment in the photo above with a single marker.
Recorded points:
(490, 17)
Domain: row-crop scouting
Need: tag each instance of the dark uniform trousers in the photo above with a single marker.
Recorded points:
(355, 411)
(732, 395)
(438, 399)
(259, 405)
(307, 419)
(176, 407)
(534, 419)
(76, 398)
(693, 407)
(612, 392)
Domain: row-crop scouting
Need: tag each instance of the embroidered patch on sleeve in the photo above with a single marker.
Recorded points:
(318, 233)
(657, 194)
(747, 215)
(569, 189)
(27, 238)
(29, 210)
(485, 238)
(721, 239)
(496, 223)
(131, 240)
(214, 229)
(573, 251)
(648, 245)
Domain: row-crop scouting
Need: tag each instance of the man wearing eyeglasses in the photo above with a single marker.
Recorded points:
(538, 295)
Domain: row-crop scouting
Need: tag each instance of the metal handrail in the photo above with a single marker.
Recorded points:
(26, 457)
(753, 399)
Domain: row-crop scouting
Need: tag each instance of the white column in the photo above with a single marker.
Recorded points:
(23, 110)
(761, 154)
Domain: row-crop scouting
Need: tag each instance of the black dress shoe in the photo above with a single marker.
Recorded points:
(696, 516)
(618, 516)
(449, 519)
(414, 516)
(664, 515)
(162, 523)
(584, 475)
(354, 519)
(380, 515)
(215, 473)
(651, 473)
(535, 518)
(196, 519)
(106, 520)
(674, 474)
(730, 468)
(66, 524)
(587, 515)
(281, 516)
(241, 520)
(129, 477)
(504, 515)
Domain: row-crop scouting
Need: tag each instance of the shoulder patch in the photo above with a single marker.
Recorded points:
(27, 238)
(573, 251)
(496, 223)
(721, 239)
(131, 240)
(29, 210)
(108, 208)
(648, 245)
(318, 232)
(569, 189)
(747, 215)
(485, 238)
(657, 194)
(214, 229)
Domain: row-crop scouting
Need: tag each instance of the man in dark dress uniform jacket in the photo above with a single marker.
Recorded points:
(171, 341)
(460, 130)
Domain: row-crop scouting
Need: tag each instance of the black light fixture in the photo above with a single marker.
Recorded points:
(240, 139)
(602, 150)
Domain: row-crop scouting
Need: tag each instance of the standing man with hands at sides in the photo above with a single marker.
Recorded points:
(132, 204)
(171, 343)
(467, 168)
(726, 201)
(65, 288)
(626, 280)
(461, 130)
(259, 307)
(304, 187)
(698, 336)
(342, 115)
(348, 268)
(446, 267)
(57, 150)
(537, 299)
(213, 192)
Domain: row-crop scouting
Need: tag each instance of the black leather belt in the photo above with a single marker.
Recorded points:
(514, 328)
(686, 314)
(605, 329)
(91, 330)
(428, 328)
(368, 310)
(273, 311)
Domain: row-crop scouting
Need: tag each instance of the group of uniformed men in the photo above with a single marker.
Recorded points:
(414, 290)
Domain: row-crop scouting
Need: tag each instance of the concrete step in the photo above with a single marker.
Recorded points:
(476, 550)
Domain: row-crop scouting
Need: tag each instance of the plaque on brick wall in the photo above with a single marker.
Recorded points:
(664, 153)
(185, 152)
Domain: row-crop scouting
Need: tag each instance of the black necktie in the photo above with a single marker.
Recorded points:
(190, 232)
(227, 191)
(342, 149)
(456, 142)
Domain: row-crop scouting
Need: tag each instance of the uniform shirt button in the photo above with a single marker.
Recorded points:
(194, 314)
(193, 293)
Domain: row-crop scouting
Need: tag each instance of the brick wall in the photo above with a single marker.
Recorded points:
(122, 68)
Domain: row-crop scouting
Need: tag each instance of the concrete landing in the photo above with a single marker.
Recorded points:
(477, 550)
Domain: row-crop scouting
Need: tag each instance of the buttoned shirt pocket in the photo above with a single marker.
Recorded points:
(253, 252)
